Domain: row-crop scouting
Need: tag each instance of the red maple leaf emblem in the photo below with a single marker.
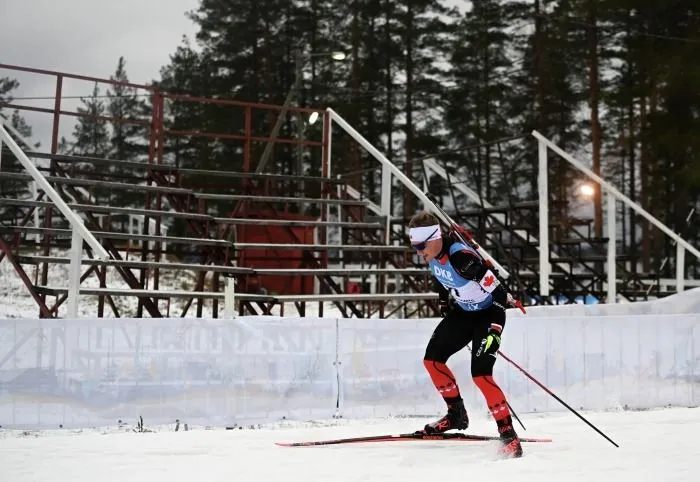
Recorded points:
(488, 281)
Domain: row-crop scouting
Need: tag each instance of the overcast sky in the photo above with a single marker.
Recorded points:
(86, 37)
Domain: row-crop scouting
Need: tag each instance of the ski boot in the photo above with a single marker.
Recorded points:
(511, 443)
(456, 418)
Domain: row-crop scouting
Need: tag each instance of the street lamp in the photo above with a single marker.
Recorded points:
(586, 190)
(336, 55)
(293, 93)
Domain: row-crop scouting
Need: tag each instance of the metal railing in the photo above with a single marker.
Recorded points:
(389, 170)
(79, 232)
(613, 194)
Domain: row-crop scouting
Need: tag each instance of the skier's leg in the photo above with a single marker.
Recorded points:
(482, 374)
(451, 335)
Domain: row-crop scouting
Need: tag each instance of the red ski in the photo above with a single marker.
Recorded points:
(458, 437)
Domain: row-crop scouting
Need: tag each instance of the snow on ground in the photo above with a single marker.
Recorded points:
(655, 445)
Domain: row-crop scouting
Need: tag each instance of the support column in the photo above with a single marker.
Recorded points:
(612, 248)
(543, 192)
(76, 254)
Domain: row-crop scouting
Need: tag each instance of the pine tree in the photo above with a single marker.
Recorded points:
(364, 83)
(672, 139)
(10, 188)
(248, 48)
(16, 120)
(124, 103)
(546, 93)
(627, 115)
(321, 74)
(7, 85)
(186, 75)
(474, 115)
(654, 114)
(91, 133)
(423, 27)
(128, 141)
(20, 125)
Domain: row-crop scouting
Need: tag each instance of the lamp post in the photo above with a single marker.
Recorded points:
(301, 123)
(293, 93)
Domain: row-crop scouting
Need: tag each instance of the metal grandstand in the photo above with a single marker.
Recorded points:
(253, 242)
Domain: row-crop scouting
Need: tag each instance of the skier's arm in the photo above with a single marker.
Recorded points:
(468, 265)
(443, 297)
(471, 266)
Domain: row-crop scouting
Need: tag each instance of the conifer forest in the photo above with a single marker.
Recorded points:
(615, 83)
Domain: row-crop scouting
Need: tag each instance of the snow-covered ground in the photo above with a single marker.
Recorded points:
(655, 445)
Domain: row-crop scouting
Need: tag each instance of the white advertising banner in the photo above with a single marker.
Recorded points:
(94, 372)
(381, 368)
(603, 362)
(210, 372)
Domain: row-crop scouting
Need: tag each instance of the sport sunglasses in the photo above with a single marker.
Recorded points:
(421, 246)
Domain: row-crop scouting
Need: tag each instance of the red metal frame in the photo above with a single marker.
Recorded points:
(157, 137)
(156, 122)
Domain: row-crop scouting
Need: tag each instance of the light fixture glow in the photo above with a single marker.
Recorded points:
(586, 190)
(313, 118)
(338, 55)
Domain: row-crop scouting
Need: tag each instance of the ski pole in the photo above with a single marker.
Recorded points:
(507, 403)
(522, 370)
(515, 415)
